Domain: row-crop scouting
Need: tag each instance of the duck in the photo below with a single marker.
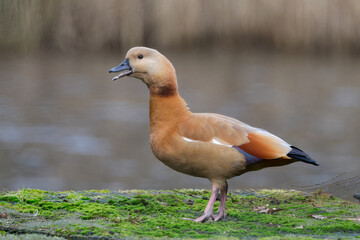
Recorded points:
(205, 145)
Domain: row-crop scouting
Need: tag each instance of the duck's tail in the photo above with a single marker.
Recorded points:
(298, 154)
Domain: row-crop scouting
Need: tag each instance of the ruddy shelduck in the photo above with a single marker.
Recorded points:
(205, 145)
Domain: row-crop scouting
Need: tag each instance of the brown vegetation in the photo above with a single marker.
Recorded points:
(28, 25)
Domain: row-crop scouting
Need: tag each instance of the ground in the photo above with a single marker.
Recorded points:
(261, 214)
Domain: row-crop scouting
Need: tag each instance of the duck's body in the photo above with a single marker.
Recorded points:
(171, 128)
(204, 145)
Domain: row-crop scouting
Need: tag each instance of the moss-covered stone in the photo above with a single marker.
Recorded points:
(262, 214)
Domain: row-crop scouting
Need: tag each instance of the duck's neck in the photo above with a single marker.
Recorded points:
(167, 108)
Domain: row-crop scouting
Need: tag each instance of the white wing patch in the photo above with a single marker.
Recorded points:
(214, 141)
(189, 140)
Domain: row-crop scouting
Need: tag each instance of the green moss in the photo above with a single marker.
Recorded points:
(9, 199)
(159, 214)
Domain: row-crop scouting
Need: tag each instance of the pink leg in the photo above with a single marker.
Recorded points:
(208, 213)
(221, 212)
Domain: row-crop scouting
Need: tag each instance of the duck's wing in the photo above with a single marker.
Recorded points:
(219, 129)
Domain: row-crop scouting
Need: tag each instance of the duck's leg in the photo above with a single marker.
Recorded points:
(208, 213)
(221, 212)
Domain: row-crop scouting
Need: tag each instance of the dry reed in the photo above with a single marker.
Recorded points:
(91, 25)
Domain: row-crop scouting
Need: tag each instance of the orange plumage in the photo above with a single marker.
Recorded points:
(205, 145)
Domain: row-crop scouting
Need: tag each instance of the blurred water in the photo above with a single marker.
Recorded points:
(65, 125)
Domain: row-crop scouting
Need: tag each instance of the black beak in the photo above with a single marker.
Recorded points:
(124, 68)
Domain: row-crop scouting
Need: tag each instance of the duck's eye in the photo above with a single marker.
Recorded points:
(140, 56)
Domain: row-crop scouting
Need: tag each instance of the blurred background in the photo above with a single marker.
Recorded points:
(291, 67)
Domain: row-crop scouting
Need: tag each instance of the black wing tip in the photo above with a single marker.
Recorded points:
(300, 155)
(314, 163)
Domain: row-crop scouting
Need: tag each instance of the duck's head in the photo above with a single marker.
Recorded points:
(150, 66)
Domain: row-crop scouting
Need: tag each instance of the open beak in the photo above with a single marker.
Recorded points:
(124, 69)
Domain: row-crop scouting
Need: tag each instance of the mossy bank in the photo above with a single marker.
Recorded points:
(103, 214)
